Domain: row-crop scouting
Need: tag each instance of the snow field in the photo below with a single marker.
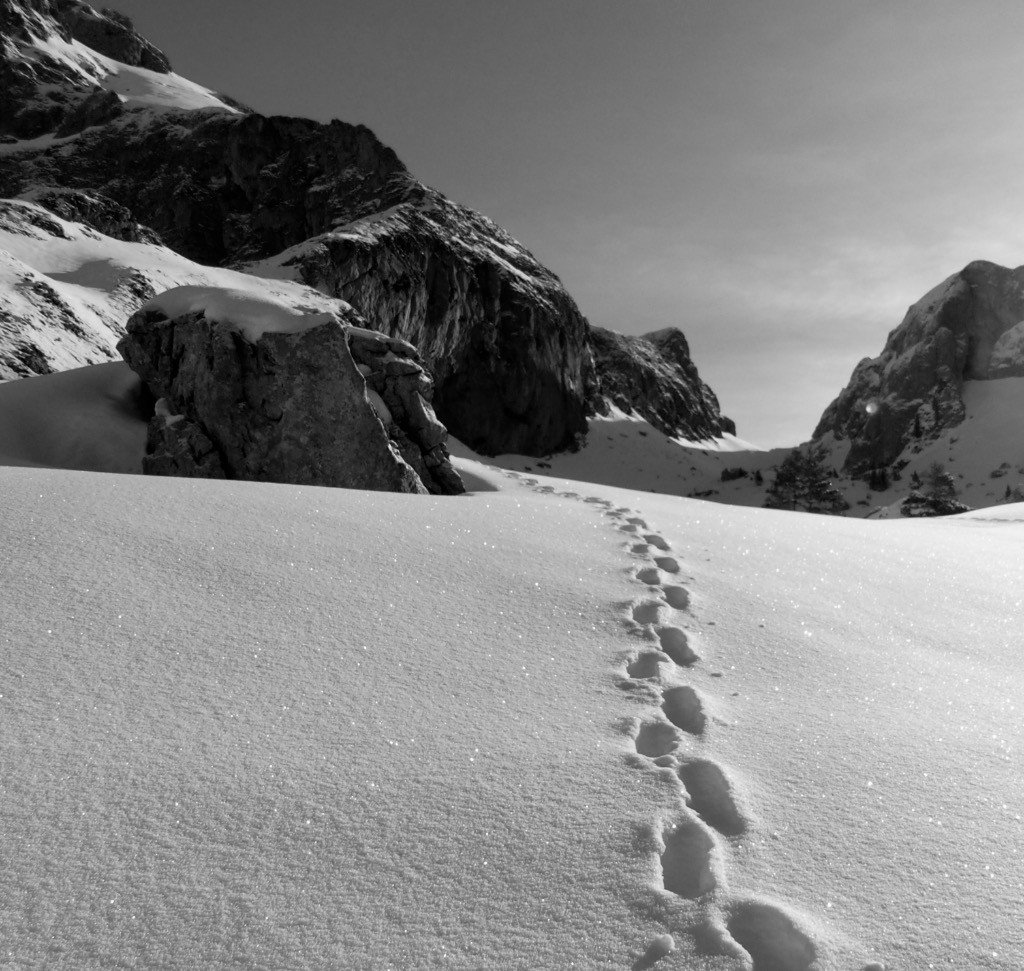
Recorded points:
(549, 724)
(311, 728)
(706, 811)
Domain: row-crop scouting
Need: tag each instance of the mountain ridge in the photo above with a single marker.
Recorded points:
(512, 353)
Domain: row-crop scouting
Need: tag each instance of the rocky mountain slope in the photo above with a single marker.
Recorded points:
(99, 130)
(968, 329)
(655, 376)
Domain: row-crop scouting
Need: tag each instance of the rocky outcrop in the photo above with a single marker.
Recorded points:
(508, 347)
(654, 377)
(966, 329)
(327, 205)
(286, 406)
(111, 33)
(48, 87)
(94, 210)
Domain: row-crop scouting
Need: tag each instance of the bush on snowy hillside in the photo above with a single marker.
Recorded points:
(917, 504)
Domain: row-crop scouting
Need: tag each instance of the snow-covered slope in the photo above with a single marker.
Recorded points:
(67, 290)
(67, 66)
(543, 725)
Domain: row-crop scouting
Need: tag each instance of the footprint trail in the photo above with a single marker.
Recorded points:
(674, 737)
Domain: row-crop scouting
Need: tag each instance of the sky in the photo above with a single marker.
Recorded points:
(779, 180)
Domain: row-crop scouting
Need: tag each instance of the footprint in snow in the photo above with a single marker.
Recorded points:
(658, 542)
(667, 563)
(546, 490)
(770, 936)
(648, 611)
(656, 738)
(710, 796)
(677, 597)
(649, 575)
(639, 549)
(647, 665)
(637, 521)
(687, 863)
(597, 501)
(676, 645)
(683, 707)
(627, 528)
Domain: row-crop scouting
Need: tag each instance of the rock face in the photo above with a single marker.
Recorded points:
(326, 205)
(44, 88)
(966, 329)
(655, 377)
(507, 345)
(287, 407)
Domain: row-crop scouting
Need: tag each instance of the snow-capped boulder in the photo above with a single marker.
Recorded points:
(654, 377)
(966, 329)
(257, 389)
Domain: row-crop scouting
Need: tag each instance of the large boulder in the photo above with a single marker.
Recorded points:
(247, 388)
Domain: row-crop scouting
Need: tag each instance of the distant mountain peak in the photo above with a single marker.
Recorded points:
(968, 328)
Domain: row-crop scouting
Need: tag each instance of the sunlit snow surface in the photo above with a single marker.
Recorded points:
(269, 726)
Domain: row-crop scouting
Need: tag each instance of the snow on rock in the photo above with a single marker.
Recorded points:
(67, 288)
(251, 314)
(1007, 358)
(68, 67)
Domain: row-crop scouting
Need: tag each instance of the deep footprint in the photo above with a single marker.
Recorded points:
(677, 597)
(656, 739)
(686, 864)
(648, 612)
(658, 542)
(682, 707)
(647, 665)
(635, 521)
(676, 645)
(711, 796)
(650, 575)
(770, 937)
(667, 563)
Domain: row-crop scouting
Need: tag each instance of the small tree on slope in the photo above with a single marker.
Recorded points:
(938, 483)
(802, 482)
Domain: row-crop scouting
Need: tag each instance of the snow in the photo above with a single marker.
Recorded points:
(135, 86)
(98, 282)
(272, 726)
(1008, 350)
(251, 314)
